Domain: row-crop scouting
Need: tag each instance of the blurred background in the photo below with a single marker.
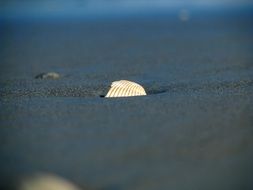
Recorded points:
(38, 8)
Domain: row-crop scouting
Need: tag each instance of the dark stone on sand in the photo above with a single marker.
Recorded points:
(50, 75)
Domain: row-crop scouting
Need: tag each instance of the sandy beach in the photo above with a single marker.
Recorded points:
(194, 129)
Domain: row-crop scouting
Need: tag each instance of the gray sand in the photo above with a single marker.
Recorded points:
(193, 131)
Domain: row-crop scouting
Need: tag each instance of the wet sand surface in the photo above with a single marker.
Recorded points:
(194, 130)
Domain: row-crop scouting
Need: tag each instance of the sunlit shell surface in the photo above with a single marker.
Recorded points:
(124, 88)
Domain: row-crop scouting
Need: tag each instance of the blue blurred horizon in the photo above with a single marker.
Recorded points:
(15, 8)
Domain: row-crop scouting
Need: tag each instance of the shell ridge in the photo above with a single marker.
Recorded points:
(128, 89)
(121, 92)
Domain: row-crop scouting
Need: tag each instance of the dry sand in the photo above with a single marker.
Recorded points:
(193, 131)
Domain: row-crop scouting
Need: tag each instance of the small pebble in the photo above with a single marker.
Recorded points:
(50, 75)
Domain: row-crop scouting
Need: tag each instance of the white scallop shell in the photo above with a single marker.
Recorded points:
(124, 88)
